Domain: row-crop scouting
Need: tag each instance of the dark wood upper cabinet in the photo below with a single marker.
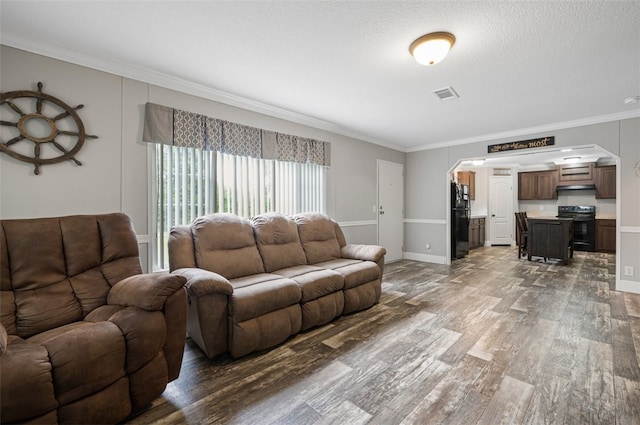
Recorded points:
(534, 185)
(527, 186)
(575, 174)
(605, 181)
(546, 185)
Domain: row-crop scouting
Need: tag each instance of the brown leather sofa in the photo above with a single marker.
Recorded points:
(85, 336)
(253, 284)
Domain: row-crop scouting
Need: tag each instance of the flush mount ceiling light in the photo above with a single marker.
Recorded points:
(572, 159)
(432, 48)
(477, 161)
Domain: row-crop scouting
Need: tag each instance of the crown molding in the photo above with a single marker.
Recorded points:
(531, 130)
(167, 81)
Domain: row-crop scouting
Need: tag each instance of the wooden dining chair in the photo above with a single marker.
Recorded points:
(522, 233)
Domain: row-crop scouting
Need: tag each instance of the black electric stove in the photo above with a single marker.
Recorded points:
(584, 225)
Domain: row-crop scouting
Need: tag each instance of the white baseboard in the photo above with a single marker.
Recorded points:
(628, 286)
(425, 258)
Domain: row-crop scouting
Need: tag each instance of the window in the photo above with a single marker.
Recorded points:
(192, 182)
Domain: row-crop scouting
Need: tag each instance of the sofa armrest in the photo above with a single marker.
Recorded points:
(202, 282)
(145, 291)
(363, 252)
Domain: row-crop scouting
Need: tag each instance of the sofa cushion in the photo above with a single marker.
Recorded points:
(259, 294)
(278, 241)
(355, 272)
(225, 244)
(314, 282)
(318, 237)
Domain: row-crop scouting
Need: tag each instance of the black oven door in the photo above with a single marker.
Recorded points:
(584, 235)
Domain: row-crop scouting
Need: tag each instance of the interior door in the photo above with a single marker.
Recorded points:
(501, 210)
(391, 209)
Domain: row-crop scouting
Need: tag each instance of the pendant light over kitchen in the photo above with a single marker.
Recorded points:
(432, 48)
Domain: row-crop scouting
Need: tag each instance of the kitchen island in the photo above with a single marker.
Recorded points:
(550, 238)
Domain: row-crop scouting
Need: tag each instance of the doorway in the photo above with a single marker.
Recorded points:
(391, 209)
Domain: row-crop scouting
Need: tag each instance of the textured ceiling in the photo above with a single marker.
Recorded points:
(344, 65)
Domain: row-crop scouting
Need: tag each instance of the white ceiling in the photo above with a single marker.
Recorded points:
(344, 66)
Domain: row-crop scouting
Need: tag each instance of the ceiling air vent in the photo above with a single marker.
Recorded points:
(446, 93)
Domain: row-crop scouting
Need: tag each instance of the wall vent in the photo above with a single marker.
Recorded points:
(446, 93)
(501, 172)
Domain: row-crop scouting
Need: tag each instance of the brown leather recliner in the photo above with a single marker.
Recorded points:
(85, 336)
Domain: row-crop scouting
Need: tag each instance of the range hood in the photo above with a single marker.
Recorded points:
(576, 187)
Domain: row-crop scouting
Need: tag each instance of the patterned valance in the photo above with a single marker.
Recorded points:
(186, 129)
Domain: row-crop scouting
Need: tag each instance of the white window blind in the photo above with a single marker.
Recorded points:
(191, 182)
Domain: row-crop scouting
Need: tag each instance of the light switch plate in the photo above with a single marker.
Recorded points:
(628, 270)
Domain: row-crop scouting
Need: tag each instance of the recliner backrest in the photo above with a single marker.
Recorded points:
(278, 241)
(318, 237)
(225, 244)
(54, 271)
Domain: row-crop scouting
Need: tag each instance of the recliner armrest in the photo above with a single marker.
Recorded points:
(146, 291)
(363, 252)
(204, 282)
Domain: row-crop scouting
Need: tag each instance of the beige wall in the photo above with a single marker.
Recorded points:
(115, 171)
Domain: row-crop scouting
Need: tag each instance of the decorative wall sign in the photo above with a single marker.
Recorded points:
(38, 121)
(523, 144)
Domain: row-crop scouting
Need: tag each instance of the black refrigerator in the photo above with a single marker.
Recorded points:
(460, 215)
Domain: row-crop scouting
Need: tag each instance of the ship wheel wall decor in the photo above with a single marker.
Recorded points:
(45, 129)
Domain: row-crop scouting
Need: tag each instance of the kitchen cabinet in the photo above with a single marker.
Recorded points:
(605, 235)
(570, 174)
(605, 181)
(535, 185)
(468, 178)
(476, 232)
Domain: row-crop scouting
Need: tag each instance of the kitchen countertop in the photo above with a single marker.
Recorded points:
(550, 214)
(541, 214)
(478, 216)
(605, 216)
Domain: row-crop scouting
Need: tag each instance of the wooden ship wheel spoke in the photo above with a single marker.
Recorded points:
(50, 126)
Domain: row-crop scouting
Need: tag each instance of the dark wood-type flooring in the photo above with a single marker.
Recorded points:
(488, 340)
